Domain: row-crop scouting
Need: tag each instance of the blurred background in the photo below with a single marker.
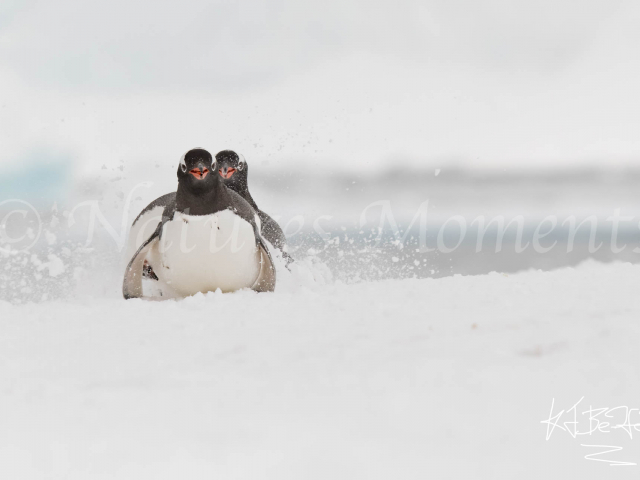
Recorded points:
(346, 111)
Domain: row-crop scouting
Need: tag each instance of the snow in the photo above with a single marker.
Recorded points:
(410, 379)
(55, 266)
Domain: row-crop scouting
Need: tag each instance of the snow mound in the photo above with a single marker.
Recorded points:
(412, 379)
(308, 272)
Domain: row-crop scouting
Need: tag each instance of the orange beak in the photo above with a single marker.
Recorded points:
(199, 174)
(228, 173)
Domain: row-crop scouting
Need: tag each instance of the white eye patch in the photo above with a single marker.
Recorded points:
(242, 162)
(183, 164)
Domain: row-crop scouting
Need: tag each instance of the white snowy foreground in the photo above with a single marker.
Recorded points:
(400, 379)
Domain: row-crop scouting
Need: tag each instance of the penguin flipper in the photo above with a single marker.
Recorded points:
(266, 281)
(132, 283)
(272, 232)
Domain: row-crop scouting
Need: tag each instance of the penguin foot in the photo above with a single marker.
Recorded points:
(147, 272)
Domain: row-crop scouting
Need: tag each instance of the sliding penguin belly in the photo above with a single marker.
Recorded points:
(203, 253)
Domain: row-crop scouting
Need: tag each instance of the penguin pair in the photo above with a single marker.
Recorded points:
(201, 238)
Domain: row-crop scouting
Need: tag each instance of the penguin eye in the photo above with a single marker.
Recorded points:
(241, 166)
(241, 162)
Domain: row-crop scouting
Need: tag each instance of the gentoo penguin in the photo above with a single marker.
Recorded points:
(234, 171)
(198, 239)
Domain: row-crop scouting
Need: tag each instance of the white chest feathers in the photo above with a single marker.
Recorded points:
(204, 253)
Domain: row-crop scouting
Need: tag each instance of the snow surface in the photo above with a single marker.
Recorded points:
(414, 378)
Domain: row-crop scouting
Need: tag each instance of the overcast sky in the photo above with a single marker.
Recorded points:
(340, 83)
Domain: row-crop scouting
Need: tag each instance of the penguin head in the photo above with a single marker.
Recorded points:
(233, 169)
(197, 170)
